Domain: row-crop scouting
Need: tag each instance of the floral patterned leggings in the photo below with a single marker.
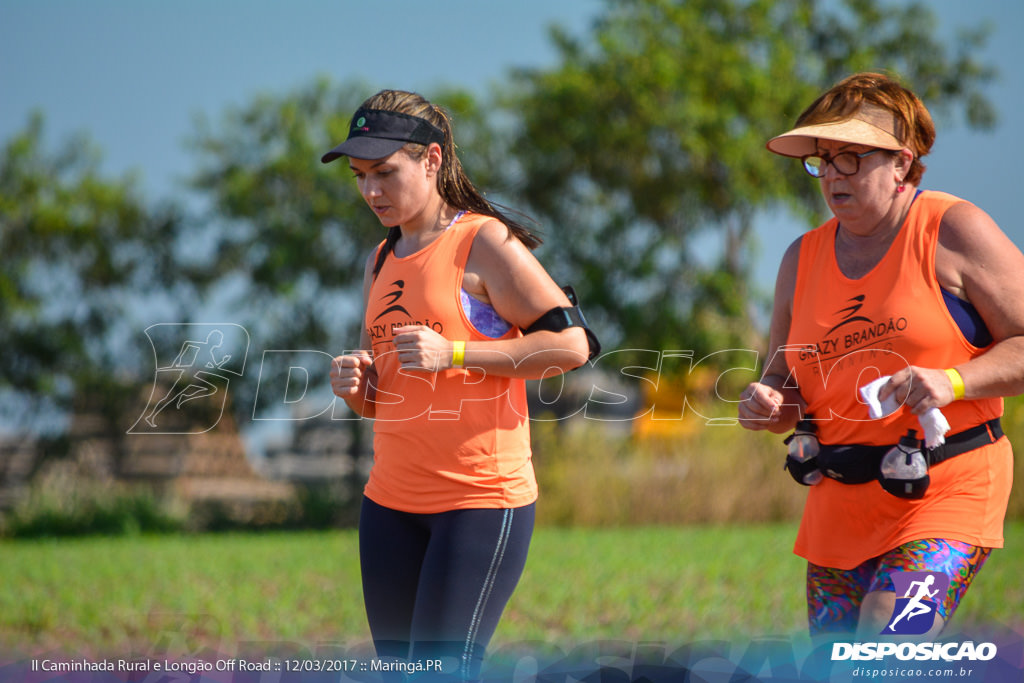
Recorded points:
(834, 596)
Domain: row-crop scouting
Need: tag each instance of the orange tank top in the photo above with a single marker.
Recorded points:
(846, 333)
(456, 439)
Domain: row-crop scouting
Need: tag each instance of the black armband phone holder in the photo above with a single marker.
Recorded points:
(563, 317)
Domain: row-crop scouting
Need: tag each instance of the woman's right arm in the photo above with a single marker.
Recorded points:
(353, 377)
(768, 404)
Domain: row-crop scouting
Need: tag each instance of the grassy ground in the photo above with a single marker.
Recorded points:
(185, 595)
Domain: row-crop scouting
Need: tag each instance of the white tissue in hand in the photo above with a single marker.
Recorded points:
(935, 427)
(876, 408)
(932, 422)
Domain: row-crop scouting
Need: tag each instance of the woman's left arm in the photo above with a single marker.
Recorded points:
(504, 273)
(977, 262)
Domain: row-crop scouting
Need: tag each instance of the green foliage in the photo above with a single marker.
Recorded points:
(126, 513)
(73, 498)
(329, 506)
(645, 145)
(79, 255)
(94, 508)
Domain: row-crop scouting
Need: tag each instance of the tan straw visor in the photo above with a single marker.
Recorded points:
(870, 125)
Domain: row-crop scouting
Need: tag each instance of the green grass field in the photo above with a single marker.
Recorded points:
(180, 595)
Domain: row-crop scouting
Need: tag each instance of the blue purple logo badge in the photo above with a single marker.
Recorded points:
(918, 595)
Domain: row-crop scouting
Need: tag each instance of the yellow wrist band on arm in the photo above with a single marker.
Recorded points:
(958, 383)
(459, 354)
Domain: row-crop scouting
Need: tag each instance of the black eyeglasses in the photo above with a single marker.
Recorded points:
(847, 163)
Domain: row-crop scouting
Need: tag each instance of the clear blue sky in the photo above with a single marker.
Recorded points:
(133, 74)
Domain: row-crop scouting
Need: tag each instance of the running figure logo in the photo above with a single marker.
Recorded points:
(914, 612)
(200, 370)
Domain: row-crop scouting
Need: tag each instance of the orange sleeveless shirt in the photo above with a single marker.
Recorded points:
(846, 333)
(456, 439)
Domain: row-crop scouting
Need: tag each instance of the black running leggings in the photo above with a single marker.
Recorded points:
(435, 585)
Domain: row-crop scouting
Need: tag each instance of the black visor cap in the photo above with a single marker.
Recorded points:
(375, 134)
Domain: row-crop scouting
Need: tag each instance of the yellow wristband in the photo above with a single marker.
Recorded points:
(958, 383)
(459, 354)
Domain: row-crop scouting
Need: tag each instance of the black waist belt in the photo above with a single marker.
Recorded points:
(967, 440)
(859, 464)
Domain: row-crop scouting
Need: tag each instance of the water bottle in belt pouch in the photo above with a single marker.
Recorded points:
(904, 469)
(802, 457)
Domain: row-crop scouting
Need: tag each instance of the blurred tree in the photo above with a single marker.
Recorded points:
(82, 260)
(643, 150)
(283, 229)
